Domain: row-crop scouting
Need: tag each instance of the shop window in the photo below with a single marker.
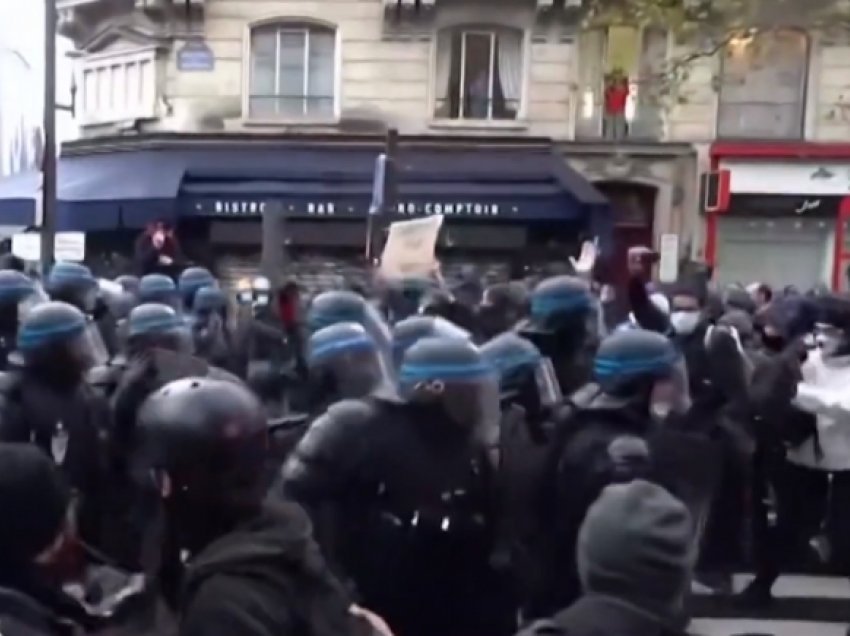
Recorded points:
(479, 74)
(763, 86)
(293, 72)
(620, 84)
(118, 87)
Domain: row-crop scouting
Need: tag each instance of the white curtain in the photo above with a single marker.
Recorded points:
(510, 66)
(444, 67)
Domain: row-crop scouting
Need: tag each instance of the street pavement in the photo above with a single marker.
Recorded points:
(805, 606)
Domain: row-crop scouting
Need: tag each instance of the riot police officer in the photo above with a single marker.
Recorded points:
(565, 326)
(409, 331)
(410, 482)
(344, 363)
(47, 402)
(18, 293)
(191, 280)
(74, 284)
(332, 307)
(246, 566)
(609, 437)
(159, 288)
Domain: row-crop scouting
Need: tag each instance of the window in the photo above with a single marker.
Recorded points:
(479, 74)
(763, 86)
(118, 87)
(293, 72)
(619, 78)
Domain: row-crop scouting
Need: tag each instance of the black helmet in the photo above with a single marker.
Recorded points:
(451, 376)
(154, 325)
(56, 339)
(208, 437)
(191, 280)
(628, 363)
(525, 375)
(409, 331)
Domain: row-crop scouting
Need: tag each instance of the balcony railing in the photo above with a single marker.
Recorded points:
(290, 106)
(477, 108)
(642, 119)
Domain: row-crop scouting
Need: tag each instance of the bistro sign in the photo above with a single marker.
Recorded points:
(229, 207)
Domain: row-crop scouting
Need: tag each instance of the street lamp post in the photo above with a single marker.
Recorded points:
(48, 190)
(48, 168)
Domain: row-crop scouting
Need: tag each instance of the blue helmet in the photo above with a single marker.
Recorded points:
(157, 325)
(72, 283)
(191, 280)
(631, 361)
(158, 288)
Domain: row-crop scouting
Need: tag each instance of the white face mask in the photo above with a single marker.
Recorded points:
(684, 322)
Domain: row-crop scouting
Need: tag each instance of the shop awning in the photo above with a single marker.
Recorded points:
(131, 188)
(499, 185)
(100, 191)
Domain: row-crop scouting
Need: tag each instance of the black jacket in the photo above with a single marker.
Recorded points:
(30, 606)
(600, 616)
(267, 578)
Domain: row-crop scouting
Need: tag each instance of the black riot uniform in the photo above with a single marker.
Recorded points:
(409, 331)
(565, 325)
(611, 435)
(47, 402)
(17, 294)
(530, 396)
(244, 566)
(401, 492)
(193, 279)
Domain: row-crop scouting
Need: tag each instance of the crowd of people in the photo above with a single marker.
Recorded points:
(508, 460)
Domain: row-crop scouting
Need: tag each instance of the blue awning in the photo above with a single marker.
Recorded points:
(520, 184)
(100, 191)
(131, 188)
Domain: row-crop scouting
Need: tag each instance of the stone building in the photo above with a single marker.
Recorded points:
(512, 121)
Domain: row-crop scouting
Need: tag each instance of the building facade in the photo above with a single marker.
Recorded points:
(634, 111)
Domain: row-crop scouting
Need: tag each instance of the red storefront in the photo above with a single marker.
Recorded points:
(784, 214)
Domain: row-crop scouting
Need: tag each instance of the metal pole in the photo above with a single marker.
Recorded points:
(379, 224)
(48, 191)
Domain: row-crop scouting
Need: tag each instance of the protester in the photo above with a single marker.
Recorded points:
(158, 251)
(635, 562)
(252, 567)
(40, 551)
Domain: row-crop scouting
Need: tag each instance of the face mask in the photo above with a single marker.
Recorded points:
(684, 322)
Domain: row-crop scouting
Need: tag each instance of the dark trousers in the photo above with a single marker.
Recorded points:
(805, 503)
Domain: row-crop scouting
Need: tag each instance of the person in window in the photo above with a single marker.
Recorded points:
(158, 250)
(616, 98)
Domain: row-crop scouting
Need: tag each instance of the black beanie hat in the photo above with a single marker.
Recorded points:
(34, 499)
(636, 544)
